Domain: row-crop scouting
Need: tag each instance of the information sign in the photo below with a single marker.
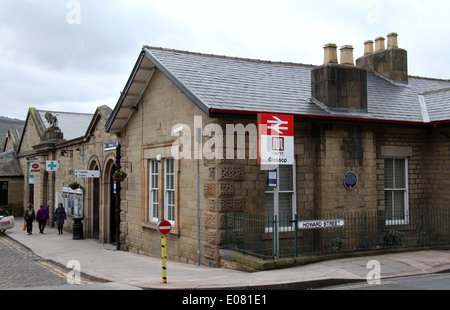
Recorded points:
(275, 139)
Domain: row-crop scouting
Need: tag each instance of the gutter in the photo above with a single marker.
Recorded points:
(334, 118)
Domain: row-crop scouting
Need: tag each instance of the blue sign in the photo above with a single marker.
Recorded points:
(350, 180)
(110, 146)
(272, 178)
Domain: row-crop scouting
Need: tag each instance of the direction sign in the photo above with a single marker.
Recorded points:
(276, 139)
(164, 227)
(87, 173)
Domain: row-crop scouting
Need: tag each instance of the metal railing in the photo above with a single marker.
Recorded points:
(307, 233)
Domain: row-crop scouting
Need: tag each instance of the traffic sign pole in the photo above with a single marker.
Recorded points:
(164, 228)
(164, 259)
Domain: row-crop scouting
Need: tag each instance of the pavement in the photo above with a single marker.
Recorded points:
(126, 270)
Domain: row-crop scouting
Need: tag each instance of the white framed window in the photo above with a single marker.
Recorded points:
(396, 191)
(153, 191)
(169, 189)
(280, 200)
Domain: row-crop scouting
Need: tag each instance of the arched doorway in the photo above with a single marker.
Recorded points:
(112, 206)
(108, 203)
(96, 207)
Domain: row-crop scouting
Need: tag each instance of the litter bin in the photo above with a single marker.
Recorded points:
(77, 228)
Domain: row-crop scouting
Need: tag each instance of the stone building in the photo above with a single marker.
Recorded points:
(371, 119)
(11, 175)
(70, 142)
(186, 130)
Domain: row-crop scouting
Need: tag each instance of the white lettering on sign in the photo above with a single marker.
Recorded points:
(87, 173)
(314, 224)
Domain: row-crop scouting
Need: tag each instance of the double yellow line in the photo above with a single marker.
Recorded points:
(59, 272)
(54, 270)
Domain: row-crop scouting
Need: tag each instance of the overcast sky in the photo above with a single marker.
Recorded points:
(76, 55)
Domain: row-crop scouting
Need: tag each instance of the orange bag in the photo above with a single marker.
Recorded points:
(24, 226)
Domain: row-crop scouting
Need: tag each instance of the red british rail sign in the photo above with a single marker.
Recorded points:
(275, 139)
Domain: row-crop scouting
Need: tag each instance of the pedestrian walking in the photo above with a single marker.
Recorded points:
(29, 217)
(60, 217)
(42, 217)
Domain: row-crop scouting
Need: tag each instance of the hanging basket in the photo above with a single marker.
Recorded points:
(119, 179)
(74, 185)
(119, 176)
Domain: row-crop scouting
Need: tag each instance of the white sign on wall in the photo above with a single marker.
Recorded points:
(315, 224)
(87, 173)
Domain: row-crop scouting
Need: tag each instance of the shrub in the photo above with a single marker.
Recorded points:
(392, 238)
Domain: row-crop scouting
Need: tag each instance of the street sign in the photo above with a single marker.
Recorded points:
(52, 165)
(110, 146)
(35, 167)
(164, 227)
(315, 224)
(276, 139)
(87, 173)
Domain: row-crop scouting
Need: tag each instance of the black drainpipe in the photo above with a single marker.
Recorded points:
(118, 199)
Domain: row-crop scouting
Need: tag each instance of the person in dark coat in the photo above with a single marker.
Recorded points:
(42, 217)
(60, 217)
(29, 217)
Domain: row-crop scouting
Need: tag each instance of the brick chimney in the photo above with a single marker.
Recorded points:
(391, 62)
(340, 86)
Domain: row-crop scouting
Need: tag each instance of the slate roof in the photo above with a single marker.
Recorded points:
(225, 84)
(73, 125)
(9, 165)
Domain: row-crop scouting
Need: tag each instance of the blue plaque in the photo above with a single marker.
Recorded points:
(350, 180)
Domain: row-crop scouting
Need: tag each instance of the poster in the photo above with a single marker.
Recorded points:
(72, 200)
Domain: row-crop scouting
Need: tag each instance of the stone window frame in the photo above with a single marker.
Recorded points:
(398, 152)
(153, 189)
(160, 152)
(169, 190)
(396, 220)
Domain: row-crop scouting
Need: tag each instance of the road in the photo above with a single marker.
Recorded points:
(21, 269)
(435, 282)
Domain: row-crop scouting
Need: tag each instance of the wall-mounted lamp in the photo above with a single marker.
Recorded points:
(64, 152)
(158, 157)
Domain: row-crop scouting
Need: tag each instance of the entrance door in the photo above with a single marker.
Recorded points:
(96, 215)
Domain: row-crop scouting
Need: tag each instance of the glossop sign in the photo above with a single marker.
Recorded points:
(276, 139)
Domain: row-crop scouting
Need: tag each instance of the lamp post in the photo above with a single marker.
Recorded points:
(117, 215)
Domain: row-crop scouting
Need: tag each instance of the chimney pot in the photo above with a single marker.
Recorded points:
(330, 54)
(392, 40)
(347, 55)
(368, 47)
(379, 44)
